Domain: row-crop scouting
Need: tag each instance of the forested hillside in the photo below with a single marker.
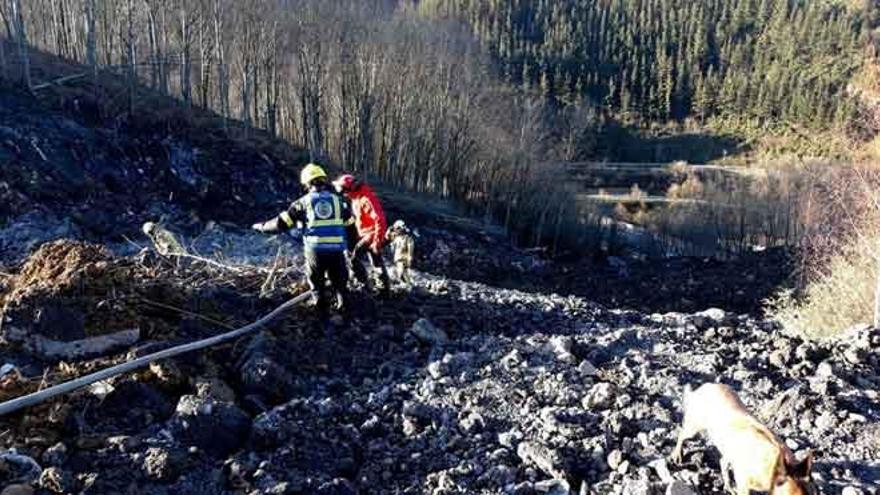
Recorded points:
(669, 59)
(482, 102)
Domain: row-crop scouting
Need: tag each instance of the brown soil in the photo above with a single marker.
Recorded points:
(68, 290)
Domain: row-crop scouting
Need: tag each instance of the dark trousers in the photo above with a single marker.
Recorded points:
(359, 257)
(323, 266)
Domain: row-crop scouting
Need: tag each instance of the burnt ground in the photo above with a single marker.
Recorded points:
(501, 372)
(454, 387)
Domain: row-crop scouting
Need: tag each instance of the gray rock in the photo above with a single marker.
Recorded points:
(18, 468)
(55, 455)
(17, 489)
(543, 458)
(826, 421)
(215, 389)
(213, 426)
(510, 439)
(262, 376)
(678, 487)
(600, 396)
(636, 486)
(162, 464)
(410, 428)
(562, 345)
(425, 331)
(712, 317)
(473, 423)
(586, 368)
(553, 487)
(615, 459)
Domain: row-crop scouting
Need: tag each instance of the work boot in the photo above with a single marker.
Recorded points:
(385, 280)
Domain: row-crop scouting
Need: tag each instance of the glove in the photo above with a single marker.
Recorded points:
(259, 227)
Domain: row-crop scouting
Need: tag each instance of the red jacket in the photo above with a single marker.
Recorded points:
(369, 217)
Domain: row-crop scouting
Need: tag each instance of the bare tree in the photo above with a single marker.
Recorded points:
(4, 17)
(91, 39)
(220, 56)
(131, 53)
(311, 69)
(185, 34)
(155, 19)
(21, 35)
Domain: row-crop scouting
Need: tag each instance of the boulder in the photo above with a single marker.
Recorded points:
(425, 331)
(216, 427)
(600, 396)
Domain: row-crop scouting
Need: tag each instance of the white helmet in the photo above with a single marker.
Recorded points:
(148, 228)
(399, 224)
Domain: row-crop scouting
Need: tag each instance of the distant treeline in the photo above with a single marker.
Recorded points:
(785, 60)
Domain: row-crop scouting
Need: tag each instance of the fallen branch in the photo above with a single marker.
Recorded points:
(270, 278)
(233, 269)
(60, 80)
(63, 388)
(84, 348)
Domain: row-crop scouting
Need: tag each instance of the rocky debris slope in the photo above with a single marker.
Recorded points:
(457, 387)
(67, 173)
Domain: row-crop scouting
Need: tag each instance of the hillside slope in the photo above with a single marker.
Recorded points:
(68, 172)
(483, 379)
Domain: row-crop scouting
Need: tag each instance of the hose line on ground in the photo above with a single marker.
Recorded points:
(63, 388)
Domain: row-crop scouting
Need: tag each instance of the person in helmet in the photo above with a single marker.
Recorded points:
(165, 242)
(324, 215)
(370, 229)
(403, 244)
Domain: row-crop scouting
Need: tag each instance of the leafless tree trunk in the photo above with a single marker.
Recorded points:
(91, 41)
(21, 35)
(220, 56)
(185, 54)
(131, 49)
(155, 50)
(3, 67)
(204, 65)
(311, 77)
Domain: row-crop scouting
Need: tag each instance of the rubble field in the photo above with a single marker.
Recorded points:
(456, 387)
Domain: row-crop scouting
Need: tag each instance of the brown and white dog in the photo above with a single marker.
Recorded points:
(758, 459)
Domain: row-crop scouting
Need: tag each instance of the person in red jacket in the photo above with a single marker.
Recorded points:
(371, 225)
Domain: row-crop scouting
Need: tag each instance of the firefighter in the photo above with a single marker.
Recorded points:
(370, 229)
(324, 215)
(164, 241)
(403, 244)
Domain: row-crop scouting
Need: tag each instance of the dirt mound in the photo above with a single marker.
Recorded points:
(70, 290)
(58, 266)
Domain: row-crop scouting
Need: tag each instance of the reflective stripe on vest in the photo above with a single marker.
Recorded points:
(325, 230)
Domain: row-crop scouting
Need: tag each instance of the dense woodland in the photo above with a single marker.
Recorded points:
(785, 60)
(471, 100)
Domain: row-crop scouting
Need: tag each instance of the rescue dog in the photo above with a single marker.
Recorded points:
(759, 460)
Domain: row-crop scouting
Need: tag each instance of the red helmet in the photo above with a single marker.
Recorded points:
(345, 183)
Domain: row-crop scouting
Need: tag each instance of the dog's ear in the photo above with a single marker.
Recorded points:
(802, 469)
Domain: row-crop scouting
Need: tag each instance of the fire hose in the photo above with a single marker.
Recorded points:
(69, 386)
